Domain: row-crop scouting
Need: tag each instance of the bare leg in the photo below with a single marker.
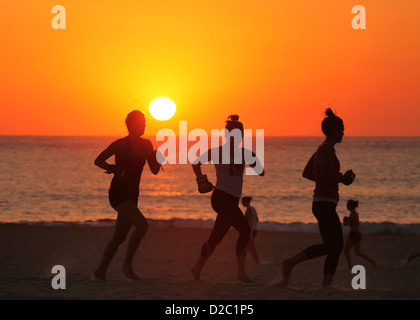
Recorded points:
(328, 278)
(228, 214)
(127, 267)
(253, 249)
(413, 256)
(129, 212)
(347, 247)
(241, 269)
(220, 228)
(240, 223)
(196, 270)
(361, 254)
(289, 264)
(121, 229)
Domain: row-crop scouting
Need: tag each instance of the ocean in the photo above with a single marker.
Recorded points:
(51, 180)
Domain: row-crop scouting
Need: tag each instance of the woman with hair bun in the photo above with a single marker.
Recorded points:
(229, 160)
(354, 236)
(324, 169)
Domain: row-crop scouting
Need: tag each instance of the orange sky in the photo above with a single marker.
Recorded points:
(278, 64)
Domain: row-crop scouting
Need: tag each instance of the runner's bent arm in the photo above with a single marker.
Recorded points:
(308, 172)
(152, 156)
(111, 150)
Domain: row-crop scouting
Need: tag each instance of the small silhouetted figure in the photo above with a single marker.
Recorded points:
(252, 218)
(355, 235)
(229, 160)
(131, 154)
(324, 169)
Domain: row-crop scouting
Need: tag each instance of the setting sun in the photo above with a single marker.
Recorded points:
(162, 108)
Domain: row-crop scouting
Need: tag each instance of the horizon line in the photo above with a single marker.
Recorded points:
(265, 136)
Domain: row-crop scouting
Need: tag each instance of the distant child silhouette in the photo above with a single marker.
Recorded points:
(229, 160)
(252, 218)
(131, 154)
(355, 236)
(324, 169)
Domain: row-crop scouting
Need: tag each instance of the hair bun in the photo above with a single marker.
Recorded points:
(353, 203)
(329, 113)
(233, 117)
(247, 199)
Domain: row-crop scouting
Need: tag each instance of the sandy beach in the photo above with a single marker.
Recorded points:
(28, 253)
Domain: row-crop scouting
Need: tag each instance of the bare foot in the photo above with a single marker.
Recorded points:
(196, 273)
(97, 275)
(129, 272)
(243, 277)
(400, 263)
(276, 282)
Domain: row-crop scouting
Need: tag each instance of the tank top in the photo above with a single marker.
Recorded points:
(324, 190)
(129, 167)
(230, 176)
(354, 222)
(254, 217)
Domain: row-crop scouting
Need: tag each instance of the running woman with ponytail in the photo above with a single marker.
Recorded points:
(229, 160)
(324, 169)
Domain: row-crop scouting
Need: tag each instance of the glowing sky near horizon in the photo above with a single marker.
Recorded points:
(276, 64)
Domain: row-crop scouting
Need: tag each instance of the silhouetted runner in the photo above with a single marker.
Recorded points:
(131, 154)
(355, 235)
(324, 169)
(252, 218)
(229, 160)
